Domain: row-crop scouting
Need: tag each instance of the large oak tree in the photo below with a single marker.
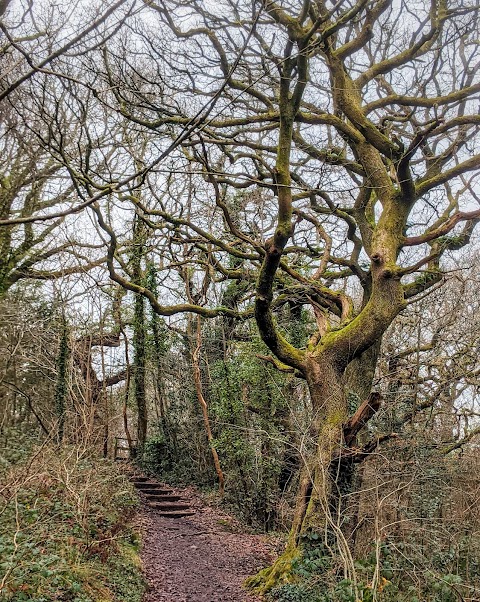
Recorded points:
(325, 154)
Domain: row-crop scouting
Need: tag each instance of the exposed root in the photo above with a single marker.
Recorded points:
(278, 574)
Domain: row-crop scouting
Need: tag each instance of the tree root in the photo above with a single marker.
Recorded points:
(278, 574)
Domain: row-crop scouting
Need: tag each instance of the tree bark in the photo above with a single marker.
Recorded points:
(139, 371)
(197, 377)
(325, 477)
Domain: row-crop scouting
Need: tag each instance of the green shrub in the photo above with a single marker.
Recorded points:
(317, 579)
(65, 531)
(291, 592)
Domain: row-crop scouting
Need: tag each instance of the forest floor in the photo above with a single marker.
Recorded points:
(200, 558)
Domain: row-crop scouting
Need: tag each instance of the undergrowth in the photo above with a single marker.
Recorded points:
(65, 533)
(383, 576)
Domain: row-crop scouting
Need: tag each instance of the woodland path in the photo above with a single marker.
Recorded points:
(201, 557)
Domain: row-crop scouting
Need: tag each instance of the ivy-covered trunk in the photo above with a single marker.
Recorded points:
(139, 342)
(324, 476)
(330, 412)
(139, 335)
(61, 387)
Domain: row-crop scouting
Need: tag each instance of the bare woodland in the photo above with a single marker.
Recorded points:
(242, 236)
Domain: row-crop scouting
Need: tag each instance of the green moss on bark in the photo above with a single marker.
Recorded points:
(279, 573)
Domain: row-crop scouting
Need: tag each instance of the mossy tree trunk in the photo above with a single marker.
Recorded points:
(326, 477)
(354, 339)
(393, 149)
(139, 336)
(61, 387)
(318, 495)
(139, 341)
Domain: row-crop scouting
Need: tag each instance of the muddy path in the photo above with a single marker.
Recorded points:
(200, 558)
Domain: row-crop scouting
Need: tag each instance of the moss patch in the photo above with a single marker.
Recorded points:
(279, 573)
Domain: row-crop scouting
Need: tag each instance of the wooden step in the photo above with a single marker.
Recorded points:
(148, 484)
(152, 485)
(155, 491)
(168, 506)
(153, 497)
(138, 479)
(176, 513)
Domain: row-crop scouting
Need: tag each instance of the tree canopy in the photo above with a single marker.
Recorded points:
(317, 156)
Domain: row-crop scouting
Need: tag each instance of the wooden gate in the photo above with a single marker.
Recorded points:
(122, 452)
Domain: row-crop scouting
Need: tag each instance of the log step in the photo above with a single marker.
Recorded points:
(156, 491)
(164, 501)
(153, 497)
(168, 506)
(152, 485)
(149, 485)
(176, 513)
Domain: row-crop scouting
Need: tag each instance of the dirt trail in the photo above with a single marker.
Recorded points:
(199, 558)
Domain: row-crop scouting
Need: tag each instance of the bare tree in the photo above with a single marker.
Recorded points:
(326, 155)
(38, 59)
(358, 120)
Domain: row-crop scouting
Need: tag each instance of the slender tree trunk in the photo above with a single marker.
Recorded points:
(61, 387)
(126, 396)
(139, 341)
(104, 398)
(139, 334)
(159, 385)
(197, 377)
(106, 432)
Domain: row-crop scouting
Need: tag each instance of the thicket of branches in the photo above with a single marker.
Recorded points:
(255, 227)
